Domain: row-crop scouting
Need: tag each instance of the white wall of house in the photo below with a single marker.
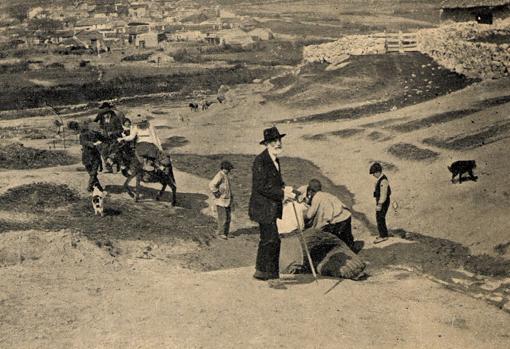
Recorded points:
(147, 40)
(137, 11)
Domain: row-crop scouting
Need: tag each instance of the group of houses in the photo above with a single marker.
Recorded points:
(105, 25)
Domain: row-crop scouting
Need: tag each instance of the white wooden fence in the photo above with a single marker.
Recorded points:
(400, 42)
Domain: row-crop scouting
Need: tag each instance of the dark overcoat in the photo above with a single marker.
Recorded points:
(89, 153)
(267, 190)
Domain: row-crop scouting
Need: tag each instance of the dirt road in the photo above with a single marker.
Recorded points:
(63, 289)
(99, 301)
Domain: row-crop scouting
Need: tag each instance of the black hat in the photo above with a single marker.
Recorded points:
(271, 134)
(105, 105)
(376, 167)
(226, 165)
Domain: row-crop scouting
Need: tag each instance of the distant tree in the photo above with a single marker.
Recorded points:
(19, 12)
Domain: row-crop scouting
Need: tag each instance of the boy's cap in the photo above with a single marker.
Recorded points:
(226, 165)
(376, 167)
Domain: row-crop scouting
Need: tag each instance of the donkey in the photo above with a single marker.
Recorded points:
(133, 168)
(193, 106)
(207, 104)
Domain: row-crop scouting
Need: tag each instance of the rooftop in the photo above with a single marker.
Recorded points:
(473, 3)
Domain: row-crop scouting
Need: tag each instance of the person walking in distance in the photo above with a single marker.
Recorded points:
(382, 195)
(222, 191)
(266, 205)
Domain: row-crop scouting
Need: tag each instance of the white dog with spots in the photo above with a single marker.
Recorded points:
(98, 197)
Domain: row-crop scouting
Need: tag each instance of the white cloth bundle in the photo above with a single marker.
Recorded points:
(288, 223)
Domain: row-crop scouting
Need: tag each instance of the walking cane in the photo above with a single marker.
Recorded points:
(303, 242)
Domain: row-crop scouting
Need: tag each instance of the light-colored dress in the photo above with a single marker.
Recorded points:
(148, 144)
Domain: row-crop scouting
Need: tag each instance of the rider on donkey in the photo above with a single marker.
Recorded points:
(148, 149)
(110, 122)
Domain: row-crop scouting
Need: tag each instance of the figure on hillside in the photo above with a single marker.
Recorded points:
(148, 149)
(110, 122)
(222, 190)
(382, 195)
(266, 204)
(327, 213)
(91, 158)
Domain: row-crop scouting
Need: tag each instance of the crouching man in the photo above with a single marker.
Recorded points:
(328, 213)
(329, 239)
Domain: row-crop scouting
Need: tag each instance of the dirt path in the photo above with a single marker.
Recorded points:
(106, 302)
(62, 289)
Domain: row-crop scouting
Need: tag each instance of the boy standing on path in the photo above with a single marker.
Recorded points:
(221, 189)
(382, 194)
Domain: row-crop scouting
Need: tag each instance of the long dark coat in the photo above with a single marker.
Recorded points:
(267, 190)
(89, 153)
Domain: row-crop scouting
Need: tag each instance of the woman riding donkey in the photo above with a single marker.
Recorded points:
(157, 166)
(148, 149)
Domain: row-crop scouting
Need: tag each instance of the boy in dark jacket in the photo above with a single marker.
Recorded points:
(382, 195)
(90, 156)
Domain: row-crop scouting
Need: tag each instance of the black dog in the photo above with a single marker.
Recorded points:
(193, 106)
(462, 166)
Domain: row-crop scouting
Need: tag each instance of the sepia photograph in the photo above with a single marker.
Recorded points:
(254, 174)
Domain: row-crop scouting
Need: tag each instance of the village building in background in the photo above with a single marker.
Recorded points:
(481, 11)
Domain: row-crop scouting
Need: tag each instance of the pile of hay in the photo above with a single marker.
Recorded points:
(37, 196)
(18, 157)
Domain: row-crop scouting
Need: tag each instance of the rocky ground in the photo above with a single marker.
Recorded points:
(149, 275)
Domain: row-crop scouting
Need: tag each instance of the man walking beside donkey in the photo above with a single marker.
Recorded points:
(266, 205)
(91, 158)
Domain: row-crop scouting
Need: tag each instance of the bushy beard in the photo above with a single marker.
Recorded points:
(276, 151)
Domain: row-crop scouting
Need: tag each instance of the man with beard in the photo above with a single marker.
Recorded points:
(111, 124)
(266, 204)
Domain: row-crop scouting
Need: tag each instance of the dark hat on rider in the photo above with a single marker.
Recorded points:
(271, 134)
(376, 167)
(105, 105)
(226, 165)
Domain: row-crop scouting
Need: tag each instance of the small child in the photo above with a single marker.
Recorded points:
(221, 189)
(382, 194)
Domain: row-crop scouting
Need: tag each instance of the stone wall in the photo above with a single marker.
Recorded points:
(337, 51)
(457, 48)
